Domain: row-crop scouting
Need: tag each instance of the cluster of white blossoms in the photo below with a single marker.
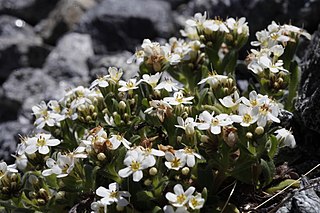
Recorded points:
(172, 53)
(272, 42)
(183, 200)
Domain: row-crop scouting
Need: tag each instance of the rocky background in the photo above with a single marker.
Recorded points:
(47, 46)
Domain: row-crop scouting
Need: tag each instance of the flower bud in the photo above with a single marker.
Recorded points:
(60, 195)
(185, 170)
(122, 105)
(101, 156)
(14, 177)
(153, 171)
(88, 118)
(259, 130)
(33, 180)
(92, 108)
(249, 135)
(147, 182)
(41, 202)
(43, 193)
(204, 138)
(119, 208)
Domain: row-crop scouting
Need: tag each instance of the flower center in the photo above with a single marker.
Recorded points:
(176, 162)
(247, 118)
(41, 141)
(135, 166)
(181, 198)
(114, 194)
(264, 109)
(194, 202)
(254, 102)
(130, 84)
(214, 122)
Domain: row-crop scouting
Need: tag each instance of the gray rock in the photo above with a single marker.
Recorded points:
(30, 10)
(304, 200)
(68, 61)
(62, 19)
(100, 63)
(29, 82)
(19, 46)
(121, 25)
(9, 108)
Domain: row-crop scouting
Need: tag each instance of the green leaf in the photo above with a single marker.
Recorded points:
(274, 143)
(282, 185)
(268, 170)
(145, 195)
(293, 84)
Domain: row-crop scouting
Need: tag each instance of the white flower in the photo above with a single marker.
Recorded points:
(130, 85)
(245, 117)
(169, 209)
(43, 116)
(178, 99)
(180, 197)
(116, 140)
(196, 202)
(215, 25)
(21, 161)
(62, 167)
(4, 168)
(187, 125)
(286, 137)
(240, 26)
(137, 57)
(41, 143)
(115, 73)
(274, 67)
(230, 100)
(150, 153)
(198, 20)
(152, 80)
(113, 195)
(168, 85)
(254, 99)
(214, 80)
(100, 81)
(267, 111)
(213, 123)
(98, 207)
(297, 30)
(190, 156)
(176, 161)
(159, 108)
(277, 50)
(135, 162)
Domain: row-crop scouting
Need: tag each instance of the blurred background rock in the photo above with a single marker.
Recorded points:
(47, 46)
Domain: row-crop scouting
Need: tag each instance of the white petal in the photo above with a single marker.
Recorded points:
(102, 192)
(125, 172)
(53, 142)
(44, 150)
(171, 197)
(137, 176)
(178, 190)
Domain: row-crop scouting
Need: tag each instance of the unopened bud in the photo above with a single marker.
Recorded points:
(249, 135)
(101, 156)
(153, 171)
(204, 138)
(185, 170)
(147, 182)
(14, 177)
(119, 208)
(41, 202)
(122, 105)
(88, 118)
(259, 130)
(43, 193)
(92, 108)
(60, 195)
(280, 80)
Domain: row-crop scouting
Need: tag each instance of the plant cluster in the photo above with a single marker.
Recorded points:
(167, 139)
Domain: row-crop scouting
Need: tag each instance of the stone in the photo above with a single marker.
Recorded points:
(9, 108)
(99, 64)
(19, 46)
(63, 19)
(32, 11)
(121, 25)
(68, 61)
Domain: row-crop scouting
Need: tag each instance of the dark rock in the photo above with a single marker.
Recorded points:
(31, 11)
(68, 61)
(9, 138)
(9, 108)
(122, 25)
(62, 19)
(100, 63)
(19, 46)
